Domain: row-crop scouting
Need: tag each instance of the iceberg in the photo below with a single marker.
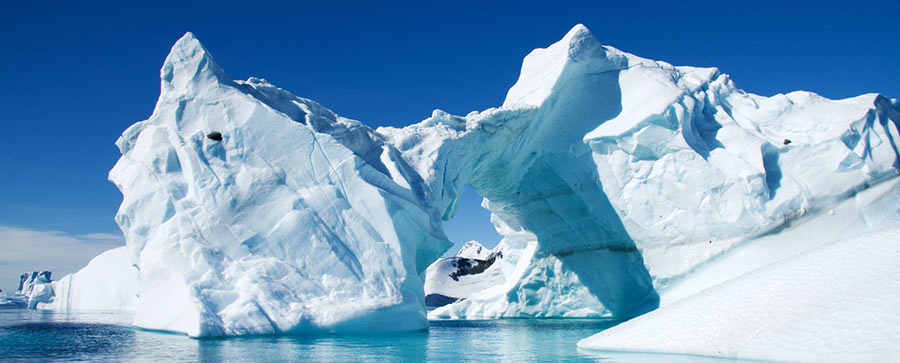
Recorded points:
(248, 210)
(34, 288)
(837, 302)
(613, 180)
(474, 268)
(11, 300)
(29, 280)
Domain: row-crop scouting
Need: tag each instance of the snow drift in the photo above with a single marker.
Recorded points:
(248, 210)
(837, 302)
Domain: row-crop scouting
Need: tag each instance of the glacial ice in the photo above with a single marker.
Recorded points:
(248, 210)
(837, 302)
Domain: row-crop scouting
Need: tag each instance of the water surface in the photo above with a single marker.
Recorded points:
(105, 336)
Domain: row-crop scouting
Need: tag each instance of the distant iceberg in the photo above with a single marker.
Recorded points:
(612, 178)
(473, 269)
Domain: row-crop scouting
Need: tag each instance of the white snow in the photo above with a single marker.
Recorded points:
(837, 302)
(612, 178)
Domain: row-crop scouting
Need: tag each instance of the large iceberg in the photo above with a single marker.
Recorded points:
(612, 178)
(248, 210)
(837, 302)
(606, 173)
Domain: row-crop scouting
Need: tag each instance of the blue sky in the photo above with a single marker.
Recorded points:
(75, 76)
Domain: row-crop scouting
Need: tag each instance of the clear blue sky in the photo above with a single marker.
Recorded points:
(75, 76)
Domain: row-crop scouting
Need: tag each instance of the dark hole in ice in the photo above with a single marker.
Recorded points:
(215, 135)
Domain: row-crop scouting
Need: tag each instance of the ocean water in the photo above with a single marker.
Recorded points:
(44, 335)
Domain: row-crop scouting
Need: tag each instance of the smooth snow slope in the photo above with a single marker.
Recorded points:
(249, 210)
(835, 303)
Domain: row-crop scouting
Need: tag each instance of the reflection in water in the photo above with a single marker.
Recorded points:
(29, 334)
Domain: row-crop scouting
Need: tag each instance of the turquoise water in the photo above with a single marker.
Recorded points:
(42, 335)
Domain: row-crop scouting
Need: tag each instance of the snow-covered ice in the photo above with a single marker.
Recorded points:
(837, 302)
(612, 178)
(473, 269)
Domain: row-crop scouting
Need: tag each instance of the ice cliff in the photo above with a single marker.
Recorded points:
(248, 210)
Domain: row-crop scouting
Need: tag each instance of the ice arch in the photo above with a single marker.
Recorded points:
(610, 177)
(529, 161)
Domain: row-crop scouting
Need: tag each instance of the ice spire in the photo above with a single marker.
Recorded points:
(544, 68)
(190, 66)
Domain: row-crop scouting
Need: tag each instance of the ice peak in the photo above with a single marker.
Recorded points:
(580, 40)
(543, 68)
(189, 65)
